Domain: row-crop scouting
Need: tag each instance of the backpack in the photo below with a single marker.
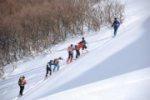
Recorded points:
(20, 81)
(116, 23)
(50, 63)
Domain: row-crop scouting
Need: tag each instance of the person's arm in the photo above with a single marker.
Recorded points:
(119, 23)
(49, 64)
(19, 82)
(85, 42)
(113, 24)
(68, 49)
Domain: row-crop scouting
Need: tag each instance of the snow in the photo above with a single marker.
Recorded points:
(130, 86)
(113, 69)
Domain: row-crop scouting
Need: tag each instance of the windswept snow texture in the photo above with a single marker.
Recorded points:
(107, 58)
(130, 86)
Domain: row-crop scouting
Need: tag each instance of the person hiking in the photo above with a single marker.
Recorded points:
(83, 43)
(56, 63)
(49, 67)
(77, 48)
(70, 53)
(22, 82)
(115, 25)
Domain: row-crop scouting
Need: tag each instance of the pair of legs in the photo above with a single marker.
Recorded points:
(21, 90)
(56, 66)
(115, 31)
(77, 53)
(70, 57)
(48, 70)
(84, 47)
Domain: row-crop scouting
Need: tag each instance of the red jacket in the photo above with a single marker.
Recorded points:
(80, 45)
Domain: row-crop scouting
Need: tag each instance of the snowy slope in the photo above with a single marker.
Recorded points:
(34, 69)
(130, 86)
(126, 53)
(107, 58)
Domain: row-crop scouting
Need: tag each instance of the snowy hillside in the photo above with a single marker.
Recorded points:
(112, 67)
(131, 86)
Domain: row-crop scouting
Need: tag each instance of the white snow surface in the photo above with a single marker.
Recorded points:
(131, 86)
(113, 69)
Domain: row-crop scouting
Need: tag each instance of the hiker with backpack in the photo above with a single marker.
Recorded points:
(56, 63)
(70, 53)
(115, 25)
(22, 82)
(49, 68)
(77, 49)
(83, 43)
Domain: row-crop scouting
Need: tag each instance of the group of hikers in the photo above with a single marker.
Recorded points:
(53, 65)
(81, 45)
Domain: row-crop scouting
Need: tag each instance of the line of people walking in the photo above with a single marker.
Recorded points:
(53, 65)
(81, 45)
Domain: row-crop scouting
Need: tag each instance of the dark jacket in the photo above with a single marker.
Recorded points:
(116, 24)
(83, 41)
(50, 63)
